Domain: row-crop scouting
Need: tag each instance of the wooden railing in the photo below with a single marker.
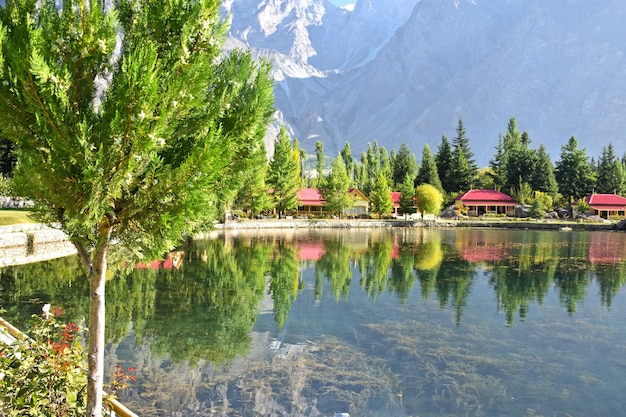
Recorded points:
(13, 333)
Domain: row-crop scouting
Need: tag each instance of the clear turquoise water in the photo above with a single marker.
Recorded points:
(404, 322)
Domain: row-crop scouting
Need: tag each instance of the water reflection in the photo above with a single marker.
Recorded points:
(207, 278)
(352, 324)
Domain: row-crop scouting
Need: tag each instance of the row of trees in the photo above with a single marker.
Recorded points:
(516, 168)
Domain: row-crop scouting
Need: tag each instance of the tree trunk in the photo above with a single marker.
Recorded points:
(96, 266)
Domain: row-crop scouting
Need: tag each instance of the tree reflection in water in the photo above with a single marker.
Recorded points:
(200, 310)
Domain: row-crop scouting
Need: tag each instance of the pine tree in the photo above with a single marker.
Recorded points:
(444, 163)
(132, 126)
(521, 159)
(498, 165)
(464, 169)
(610, 172)
(380, 197)
(543, 177)
(281, 176)
(403, 165)
(574, 173)
(427, 173)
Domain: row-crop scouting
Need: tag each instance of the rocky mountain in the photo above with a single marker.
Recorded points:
(406, 70)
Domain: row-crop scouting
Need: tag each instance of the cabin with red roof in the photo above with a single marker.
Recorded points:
(481, 202)
(312, 203)
(395, 197)
(607, 205)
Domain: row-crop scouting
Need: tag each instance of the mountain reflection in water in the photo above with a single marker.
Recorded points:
(400, 322)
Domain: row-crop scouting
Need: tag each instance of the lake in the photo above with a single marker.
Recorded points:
(379, 322)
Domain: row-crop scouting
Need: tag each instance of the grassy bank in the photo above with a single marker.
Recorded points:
(10, 217)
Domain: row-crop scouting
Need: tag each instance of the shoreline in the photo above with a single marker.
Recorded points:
(347, 224)
(33, 242)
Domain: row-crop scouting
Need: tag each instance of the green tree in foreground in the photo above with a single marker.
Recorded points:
(132, 126)
(429, 199)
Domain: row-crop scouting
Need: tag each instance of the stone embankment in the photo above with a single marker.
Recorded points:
(26, 243)
(14, 202)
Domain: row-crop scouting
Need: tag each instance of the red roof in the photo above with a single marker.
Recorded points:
(483, 253)
(486, 197)
(311, 251)
(310, 197)
(606, 248)
(606, 201)
(395, 196)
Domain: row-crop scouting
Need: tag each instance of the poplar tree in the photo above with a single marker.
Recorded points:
(384, 163)
(299, 155)
(407, 197)
(348, 160)
(253, 195)
(282, 176)
(131, 123)
(370, 167)
(334, 188)
(380, 198)
(319, 154)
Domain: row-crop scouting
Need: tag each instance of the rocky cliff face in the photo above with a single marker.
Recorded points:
(404, 71)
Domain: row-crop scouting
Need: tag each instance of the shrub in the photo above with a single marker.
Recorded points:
(45, 374)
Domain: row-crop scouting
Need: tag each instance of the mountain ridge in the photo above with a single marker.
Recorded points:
(405, 72)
